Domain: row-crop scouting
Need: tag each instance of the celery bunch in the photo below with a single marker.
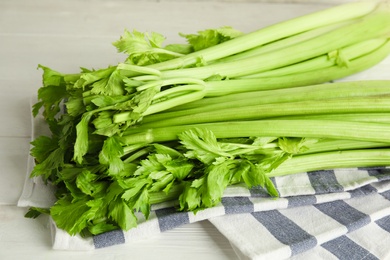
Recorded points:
(184, 121)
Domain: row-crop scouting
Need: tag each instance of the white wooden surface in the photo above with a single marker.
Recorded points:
(67, 34)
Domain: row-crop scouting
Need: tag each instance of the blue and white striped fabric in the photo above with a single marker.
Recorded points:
(320, 215)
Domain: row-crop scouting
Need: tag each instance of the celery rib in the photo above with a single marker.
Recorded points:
(333, 160)
(312, 92)
(343, 57)
(285, 42)
(217, 88)
(373, 25)
(255, 112)
(333, 129)
(272, 33)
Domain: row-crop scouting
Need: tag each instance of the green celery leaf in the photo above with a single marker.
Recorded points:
(295, 145)
(89, 77)
(34, 212)
(190, 198)
(85, 182)
(137, 42)
(245, 171)
(65, 130)
(164, 181)
(114, 190)
(158, 175)
(75, 106)
(42, 147)
(202, 145)
(111, 86)
(143, 203)
(218, 178)
(135, 186)
(140, 102)
(51, 98)
(110, 155)
(105, 101)
(180, 168)
(51, 77)
(122, 214)
(211, 37)
(74, 216)
(72, 190)
(81, 144)
(129, 170)
(50, 165)
(154, 163)
(104, 125)
(257, 176)
(271, 189)
(69, 172)
(51, 94)
(102, 227)
(143, 48)
(137, 105)
(163, 149)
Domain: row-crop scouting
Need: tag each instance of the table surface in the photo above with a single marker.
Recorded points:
(66, 35)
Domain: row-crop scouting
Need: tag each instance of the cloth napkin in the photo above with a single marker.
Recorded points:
(332, 214)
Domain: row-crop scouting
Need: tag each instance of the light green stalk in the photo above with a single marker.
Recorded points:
(370, 104)
(327, 145)
(273, 33)
(313, 92)
(285, 42)
(356, 117)
(374, 25)
(340, 57)
(225, 87)
(333, 160)
(218, 88)
(362, 131)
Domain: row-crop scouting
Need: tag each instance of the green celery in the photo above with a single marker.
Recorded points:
(326, 145)
(363, 131)
(272, 33)
(357, 117)
(377, 104)
(151, 129)
(373, 25)
(333, 160)
(218, 88)
(285, 42)
(340, 57)
(312, 92)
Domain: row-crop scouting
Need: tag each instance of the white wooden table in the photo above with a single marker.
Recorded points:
(65, 35)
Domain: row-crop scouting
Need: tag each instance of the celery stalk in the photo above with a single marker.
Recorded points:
(218, 88)
(357, 117)
(333, 160)
(285, 42)
(340, 57)
(312, 92)
(310, 107)
(327, 145)
(272, 33)
(361, 131)
(373, 25)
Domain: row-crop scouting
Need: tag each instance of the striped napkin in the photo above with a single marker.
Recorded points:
(331, 214)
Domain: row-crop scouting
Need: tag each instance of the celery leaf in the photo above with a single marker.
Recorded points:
(210, 37)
